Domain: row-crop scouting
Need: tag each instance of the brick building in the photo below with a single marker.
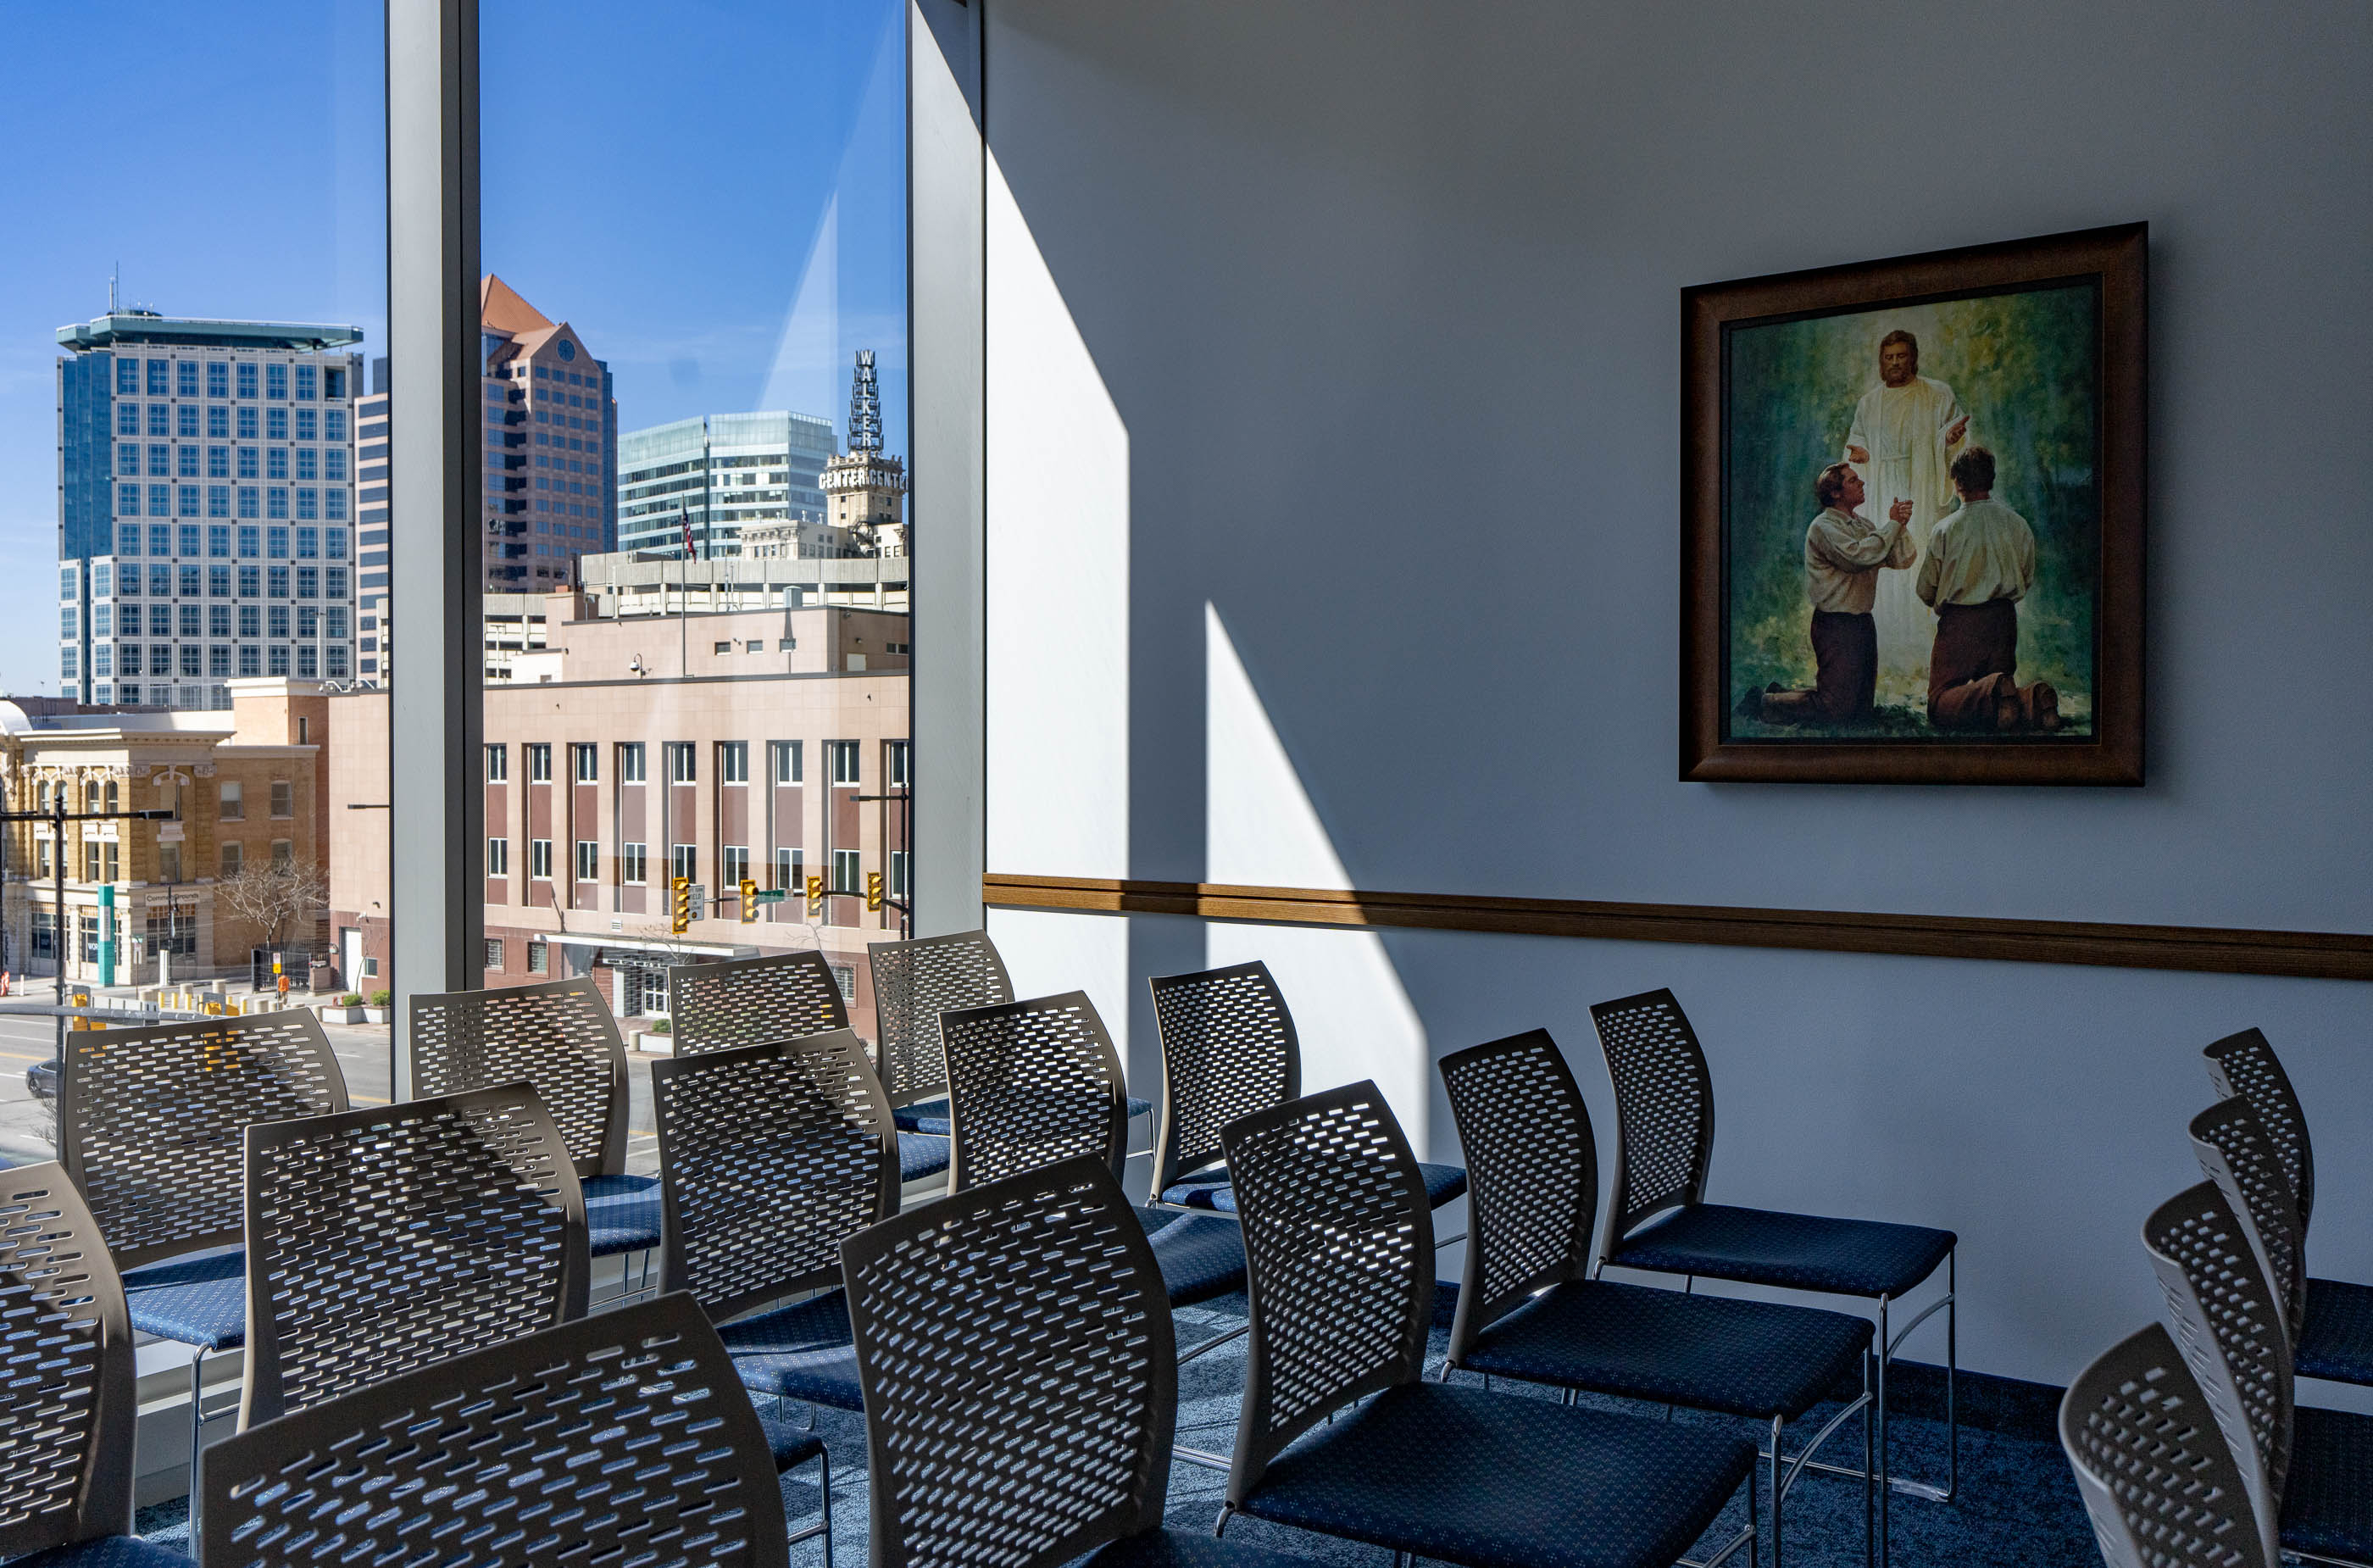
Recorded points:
(763, 744)
(246, 791)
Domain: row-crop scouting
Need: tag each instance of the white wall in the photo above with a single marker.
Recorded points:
(1333, 379)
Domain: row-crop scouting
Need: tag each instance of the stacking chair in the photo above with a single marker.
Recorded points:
(2335, 1332)
(747, 1001)
(1529, 1308)
(67, 1402)
(2153, 1465)
(770, 1157)
(152, 1124)
(2237, 1153)
(559, 1039)
(1034, 1082)
(1339, 1236)
(913, 982)
(1228, 1049)
(380, 1240)
(784, 996)
(1020, 1380)
(2308, 1471)
(615, 1438)
(1657, 1220)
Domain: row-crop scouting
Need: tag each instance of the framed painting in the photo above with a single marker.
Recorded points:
(1911, 530)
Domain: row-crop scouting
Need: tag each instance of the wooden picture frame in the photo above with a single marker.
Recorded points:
(2037, 347)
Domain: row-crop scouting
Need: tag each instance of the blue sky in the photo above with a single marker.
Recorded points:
(712, 194)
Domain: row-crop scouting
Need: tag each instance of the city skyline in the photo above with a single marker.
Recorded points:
(295, 228)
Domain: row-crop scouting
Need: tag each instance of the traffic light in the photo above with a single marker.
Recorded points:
(680, 912)
(749, 900)
(873, 891)
(815, 897)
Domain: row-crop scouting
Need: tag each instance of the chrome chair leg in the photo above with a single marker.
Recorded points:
(1869, 1484)
(1779, 1492)
(1876, 1477)
(197, 1435)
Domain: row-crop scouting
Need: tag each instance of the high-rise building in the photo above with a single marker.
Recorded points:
(718, 474)
(206, 505)
(371, 519)
(551, 463)
(552, 446)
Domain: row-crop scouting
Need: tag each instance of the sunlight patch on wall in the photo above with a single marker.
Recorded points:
(1354, 1016)
(1056, 576)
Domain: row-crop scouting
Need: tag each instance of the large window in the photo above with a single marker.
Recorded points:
(692, 394)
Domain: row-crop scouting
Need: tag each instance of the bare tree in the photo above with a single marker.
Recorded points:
(271, 895)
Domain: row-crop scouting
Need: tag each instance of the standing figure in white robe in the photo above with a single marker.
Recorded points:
(1905, 432)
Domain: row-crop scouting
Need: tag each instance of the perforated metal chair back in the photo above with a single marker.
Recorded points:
(1030, 1083)
(1532, 1170)
(1228, 1049)
(1338, 1244)
(2245, 1064)
(382, 1239)
(2229, 1330)
(2152, 1466)
(916, 981)
(2240, 1155)
(1020, 1378)
(67, 1400)
(151, 1121)
(748, 1001)
(1664, 1109)
(558, 1036)
(622, 1437)
(770, 1157)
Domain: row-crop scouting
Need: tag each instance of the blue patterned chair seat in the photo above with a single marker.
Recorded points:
(1185, 1548)
(921, 1154)
(196, 1301)
(108, 1552)
(1200, 1256)
(802, 1352)
(1743, 1358)
(791, 1445)
(1495, 1480)
(1806, 1252)
(2328, 1500)
(932, 1115)
(1209, 1189)
(622, 1215)
(2337, 1343)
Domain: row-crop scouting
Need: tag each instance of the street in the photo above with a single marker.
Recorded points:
(26, 1126)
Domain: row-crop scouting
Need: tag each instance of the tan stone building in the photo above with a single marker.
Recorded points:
(769, 744)
(246, 791)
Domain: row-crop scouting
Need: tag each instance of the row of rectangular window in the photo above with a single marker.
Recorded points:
(186, 582)
(334, 661)
(253, 543)
(785, 763)
(268, 501)
(179, 378)
(124, 621)
(215, 463)
(182, 420)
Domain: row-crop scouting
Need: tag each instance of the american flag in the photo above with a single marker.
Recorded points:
(684, 520)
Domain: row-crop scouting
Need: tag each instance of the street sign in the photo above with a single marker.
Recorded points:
(770, 895)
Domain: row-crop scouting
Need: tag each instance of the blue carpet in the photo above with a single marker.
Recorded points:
(2017, 1508)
